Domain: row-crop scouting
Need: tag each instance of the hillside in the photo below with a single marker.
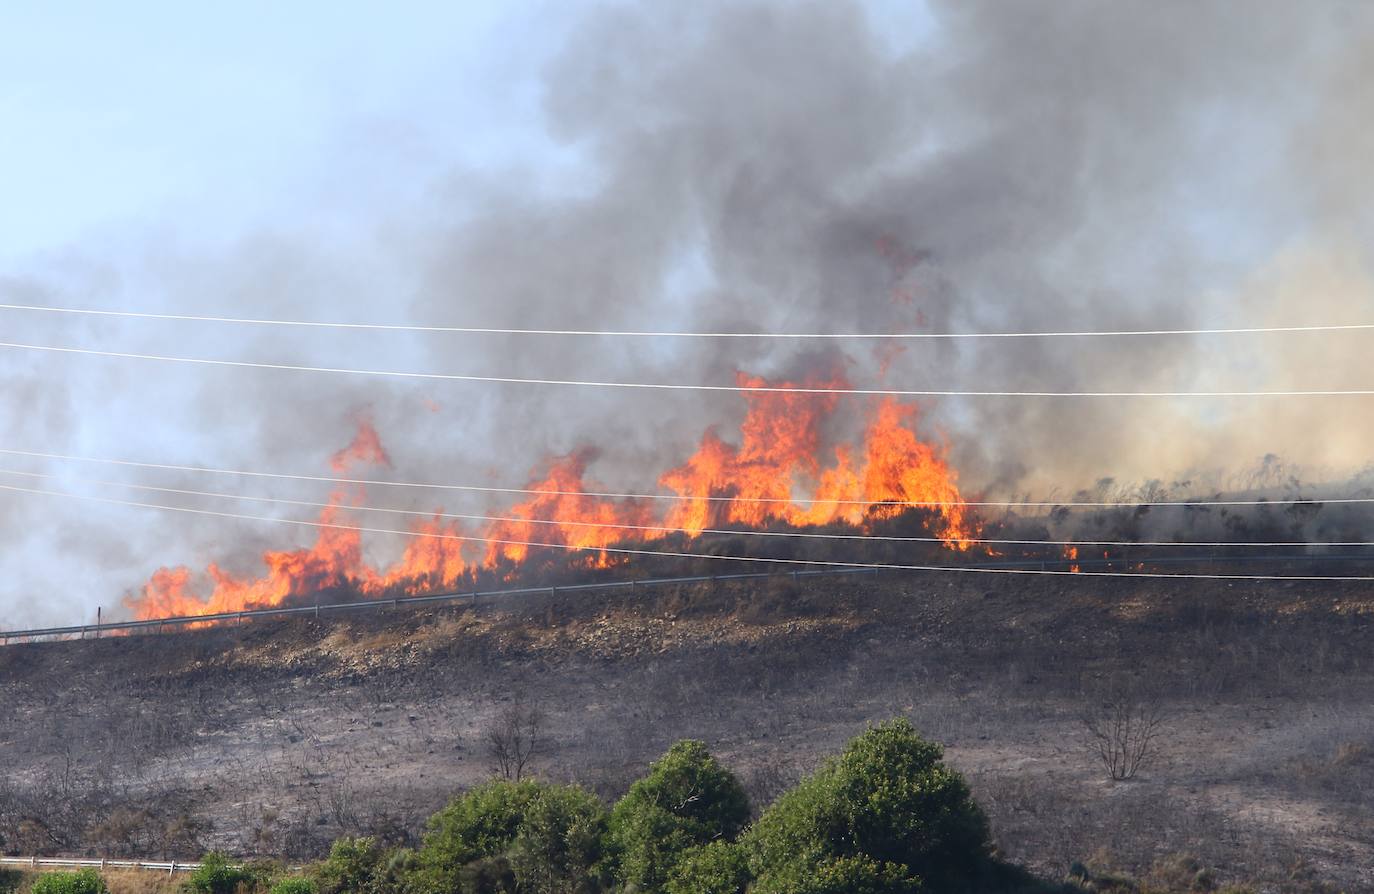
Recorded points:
(273, 738)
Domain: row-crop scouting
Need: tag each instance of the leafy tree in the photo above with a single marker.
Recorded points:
(544, 837)
(351, 868)
(490, 875)
(687, 800)
(561, 843)
(85, 881)
(841, 875)
(481, 823)
(720, 867)
(888, 798)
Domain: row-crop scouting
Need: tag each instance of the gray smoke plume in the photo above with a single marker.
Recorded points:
(801, 167)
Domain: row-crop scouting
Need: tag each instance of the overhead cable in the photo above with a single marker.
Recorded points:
(615, 550)
(601, 333)
(715, 498)
(676, 386)
(669, 529)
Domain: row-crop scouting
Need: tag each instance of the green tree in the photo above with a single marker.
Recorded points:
(548, 838)
(720, 867)
(354, 866)
(561, 843)
(889, 799)
(841, 875)
(687, 800)
(481, 823)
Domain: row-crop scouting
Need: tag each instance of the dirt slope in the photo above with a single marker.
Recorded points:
(274, 738)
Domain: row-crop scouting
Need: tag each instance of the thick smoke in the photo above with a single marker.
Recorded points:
(799, 167)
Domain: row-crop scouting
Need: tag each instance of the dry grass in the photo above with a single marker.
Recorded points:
(143, 881)
(120, 881)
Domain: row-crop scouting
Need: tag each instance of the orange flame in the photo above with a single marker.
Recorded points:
(591, 523)
(775, 476)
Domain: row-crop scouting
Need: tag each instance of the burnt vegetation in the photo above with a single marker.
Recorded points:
(277, 738)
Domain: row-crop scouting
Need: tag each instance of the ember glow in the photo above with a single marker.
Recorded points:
(779, 474)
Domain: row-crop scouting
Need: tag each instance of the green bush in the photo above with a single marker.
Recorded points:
(481, 823)
(84, 881)
(687, 799)
(547, 837)
(561, 842)
(354, 866)
(888, 798)
(720, 867)
(10, 879)
(293, 885)
(217, 875)
(841, 875)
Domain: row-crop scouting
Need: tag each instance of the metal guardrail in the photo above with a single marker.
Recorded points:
(37, 863)
(159, 625)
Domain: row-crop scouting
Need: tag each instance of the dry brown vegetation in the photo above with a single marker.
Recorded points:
(272, 739)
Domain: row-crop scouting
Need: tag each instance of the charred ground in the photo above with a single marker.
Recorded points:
(274, 738)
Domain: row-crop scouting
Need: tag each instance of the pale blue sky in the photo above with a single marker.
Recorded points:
(130, 111)
(118, 114)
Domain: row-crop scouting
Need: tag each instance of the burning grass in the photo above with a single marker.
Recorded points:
(884, 475)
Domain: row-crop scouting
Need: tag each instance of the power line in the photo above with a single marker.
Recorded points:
(378, 482)
(668, 529)
(965, 569)
(674, 386)
(491, 330)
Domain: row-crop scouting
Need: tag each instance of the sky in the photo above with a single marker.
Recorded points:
(158, 111)
(639, 164)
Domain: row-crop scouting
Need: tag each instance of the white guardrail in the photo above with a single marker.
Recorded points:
(90, 863)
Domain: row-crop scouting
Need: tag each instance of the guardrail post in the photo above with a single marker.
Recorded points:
(172, 867)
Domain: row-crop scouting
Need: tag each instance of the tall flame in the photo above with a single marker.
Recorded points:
(774, 476)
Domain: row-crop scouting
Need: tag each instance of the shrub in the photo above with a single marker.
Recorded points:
(547, 837)
(561, 842)
(481, 823)
(841, 875)
(888, 798)
(720, 867)
(687, 800)
(293, 885)
(352, 867)
(84, 881)
(1122, 731)
(217, 875)
(10, 879)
